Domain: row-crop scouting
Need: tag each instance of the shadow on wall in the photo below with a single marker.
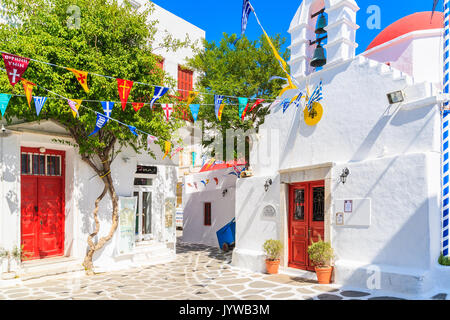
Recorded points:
(12, 167)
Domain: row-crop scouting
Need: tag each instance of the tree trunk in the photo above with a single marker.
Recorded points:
(109, 188)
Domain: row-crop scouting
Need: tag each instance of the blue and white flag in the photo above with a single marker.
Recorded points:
(159, 92)
(195, 108)
(435, 2)
(297, 100)
(39, 103)
(246, 9)
(4, 100)
(316, 96)
(285, 104)
(107, 108)
(100, 123)
(133, 130)
(217, 103)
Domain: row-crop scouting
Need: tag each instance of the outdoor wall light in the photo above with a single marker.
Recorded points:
(267, 184)
(224, 192)
(344, 175)
(42, 150)
(396, 97)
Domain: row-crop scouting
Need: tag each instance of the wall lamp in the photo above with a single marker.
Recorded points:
(396, 97)
(344, 175)
(267, 184)
(224, 192)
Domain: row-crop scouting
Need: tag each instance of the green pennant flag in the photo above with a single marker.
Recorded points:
(4, 100)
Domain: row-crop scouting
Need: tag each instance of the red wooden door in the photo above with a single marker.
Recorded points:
(42, 202)
(306, 221)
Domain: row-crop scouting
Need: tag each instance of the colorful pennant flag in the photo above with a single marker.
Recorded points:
(15, 67)
(124, 87)
(246, 9)
(150, 140)
(176, 151)
(74, 104)
(137, 106)
(190, 185)
(217, 181)
(242, 107)
(195, 108)
(210, 163)
(194, 155)
(159, 92)
(285, 104)
(207, 181)
(100, 123)
(167, 147)
(4, 100)
(257, 103)
(296, 100)
(107, 108)
(217, 104)
(81, 77)
(316, 96)
(28, 87)
(222, 106)
(204, 182)
(195, 184)
(39, 103)
(435, 2)
(192, 95)
(133, 130)
(168, 109)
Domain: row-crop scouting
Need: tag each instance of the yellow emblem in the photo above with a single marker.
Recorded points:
(312, 118)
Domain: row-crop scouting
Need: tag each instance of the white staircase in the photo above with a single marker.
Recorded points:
(150, 253)
(385, 70)
(49, 267)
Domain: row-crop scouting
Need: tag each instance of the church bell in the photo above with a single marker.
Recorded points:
(321, 24)
(318, 59)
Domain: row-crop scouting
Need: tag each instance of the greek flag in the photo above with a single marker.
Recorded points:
(159, 92)
(107, 108)
(100, 123)
(217, 102)
(297, 99)
(435, 2)
(246, 9)
(316, 96)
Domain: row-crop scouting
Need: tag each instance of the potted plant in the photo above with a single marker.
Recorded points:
(321, 253)
(13, 258)
(272, 249)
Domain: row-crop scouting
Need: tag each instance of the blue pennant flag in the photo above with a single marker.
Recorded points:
(195, 108)
(4, 100)
(159, 92)
(316, 96)
(297, 100)
(435, 2)
(100, 123)
(133, 130)
(217, 103)
(285, 105)
(39, 103)
(246, 9)
(107, 108)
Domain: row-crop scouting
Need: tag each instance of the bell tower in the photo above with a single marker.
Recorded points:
(307, 35)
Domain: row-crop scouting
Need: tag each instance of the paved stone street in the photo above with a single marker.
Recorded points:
(198, 273)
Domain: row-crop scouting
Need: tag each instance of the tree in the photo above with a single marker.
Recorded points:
(110, 40)
(241, 70)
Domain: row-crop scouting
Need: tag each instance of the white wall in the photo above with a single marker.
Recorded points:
(222, 207)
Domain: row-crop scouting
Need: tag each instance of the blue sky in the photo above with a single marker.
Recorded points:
(218, 16)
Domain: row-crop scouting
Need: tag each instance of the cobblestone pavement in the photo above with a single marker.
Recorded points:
(198, 273)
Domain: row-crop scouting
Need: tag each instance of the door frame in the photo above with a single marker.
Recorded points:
(48, 151)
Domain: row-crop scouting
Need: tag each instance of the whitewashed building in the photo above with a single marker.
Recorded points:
(367, 176)
(35, 171)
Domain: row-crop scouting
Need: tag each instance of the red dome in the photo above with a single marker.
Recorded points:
(414, 22)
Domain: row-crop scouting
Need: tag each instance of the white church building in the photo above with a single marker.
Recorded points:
(47, 192)
(366, 177)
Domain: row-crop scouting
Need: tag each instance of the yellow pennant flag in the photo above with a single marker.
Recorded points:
(76, 105)
(81, 77)
(219, 115)
(210, 163)
(28, 87)
(167, 146)
(283, 66)
(192, 95)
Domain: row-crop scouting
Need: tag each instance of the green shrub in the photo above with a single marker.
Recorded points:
(272, 249)
(444, 261)
(320, 253)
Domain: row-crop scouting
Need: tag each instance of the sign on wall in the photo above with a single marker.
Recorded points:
(127, 224)
(354, 212)
(269, 212)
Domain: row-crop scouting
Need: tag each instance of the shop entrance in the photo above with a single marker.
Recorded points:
(306, 221)
(42, 202)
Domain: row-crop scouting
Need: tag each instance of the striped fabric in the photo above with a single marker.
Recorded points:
(246, 9)
(316, 96)
(445, 134)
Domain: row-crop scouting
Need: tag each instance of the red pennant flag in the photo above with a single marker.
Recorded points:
(124, 87)
(15, 67)
(137, 106)
(258, 102)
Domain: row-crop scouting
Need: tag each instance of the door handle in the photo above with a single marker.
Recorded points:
(36, 208)
(309, 233)
(41, 222)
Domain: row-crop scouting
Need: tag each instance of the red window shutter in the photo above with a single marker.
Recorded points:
(207, 214)
(185, 82)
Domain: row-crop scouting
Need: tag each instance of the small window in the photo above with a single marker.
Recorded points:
(25, 163)
(207, 213)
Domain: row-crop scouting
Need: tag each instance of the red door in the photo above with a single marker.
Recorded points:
(42, 202)
(306, 221)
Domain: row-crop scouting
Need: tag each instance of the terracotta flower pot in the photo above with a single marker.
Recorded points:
(272, 266)
(324, 274)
